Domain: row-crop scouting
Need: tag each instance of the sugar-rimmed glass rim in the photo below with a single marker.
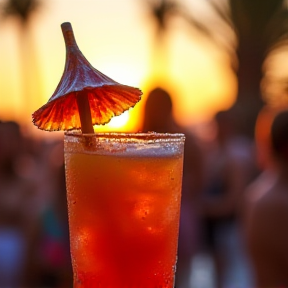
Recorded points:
(128, 137)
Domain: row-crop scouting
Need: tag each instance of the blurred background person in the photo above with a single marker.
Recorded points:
(265, 161)
(158, 117)
(18, 224)
(266, 177)
(52, 264)
(267, 232)
(229, 168)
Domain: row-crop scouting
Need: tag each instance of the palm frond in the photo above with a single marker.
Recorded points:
(20, 8)
(222, 13)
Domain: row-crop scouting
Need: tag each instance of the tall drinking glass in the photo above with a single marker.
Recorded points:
(124, 193)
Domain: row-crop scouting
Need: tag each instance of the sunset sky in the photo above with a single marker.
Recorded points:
(118, 38)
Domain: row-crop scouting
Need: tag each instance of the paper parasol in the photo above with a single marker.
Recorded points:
(84, 96)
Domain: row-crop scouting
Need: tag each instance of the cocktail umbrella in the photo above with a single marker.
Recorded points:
(84, 96)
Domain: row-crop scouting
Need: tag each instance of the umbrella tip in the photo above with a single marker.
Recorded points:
(66, 26)
(68, 34)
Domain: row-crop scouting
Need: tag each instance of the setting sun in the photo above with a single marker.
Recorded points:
(117, 123)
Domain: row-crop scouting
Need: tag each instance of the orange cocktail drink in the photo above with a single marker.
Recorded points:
(123, 194)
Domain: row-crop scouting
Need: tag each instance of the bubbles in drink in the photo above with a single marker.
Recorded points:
(143, 207)
(80, 245)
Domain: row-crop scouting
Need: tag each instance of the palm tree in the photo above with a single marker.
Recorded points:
(259, 27)
(22, 10)
(162, 11)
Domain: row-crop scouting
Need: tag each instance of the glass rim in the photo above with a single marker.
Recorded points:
(128, 136)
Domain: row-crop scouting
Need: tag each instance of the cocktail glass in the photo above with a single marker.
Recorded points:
(124, 193)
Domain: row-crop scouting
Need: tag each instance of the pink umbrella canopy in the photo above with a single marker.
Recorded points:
(84, 96)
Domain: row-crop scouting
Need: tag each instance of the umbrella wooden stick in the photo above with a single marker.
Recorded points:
(84, 112)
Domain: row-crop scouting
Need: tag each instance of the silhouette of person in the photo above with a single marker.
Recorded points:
(267, 232)
(158, 117)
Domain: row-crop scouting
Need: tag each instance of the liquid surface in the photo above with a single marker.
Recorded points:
(123, 217)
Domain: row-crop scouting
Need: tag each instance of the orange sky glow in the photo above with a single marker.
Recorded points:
(117, 39)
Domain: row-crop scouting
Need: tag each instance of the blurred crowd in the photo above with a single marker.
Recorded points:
(234, 202)
(34, 243)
